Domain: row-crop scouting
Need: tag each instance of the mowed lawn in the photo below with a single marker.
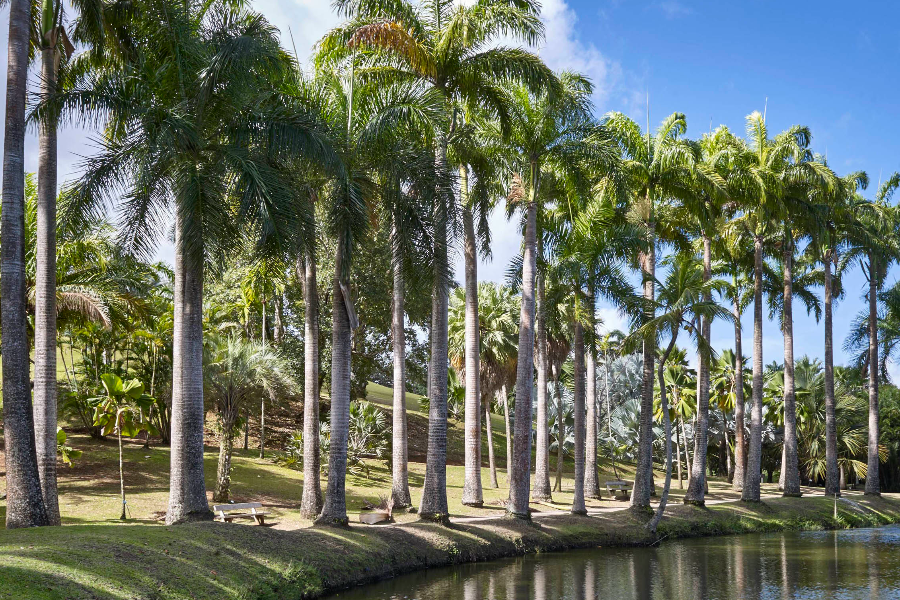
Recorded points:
(89, 491)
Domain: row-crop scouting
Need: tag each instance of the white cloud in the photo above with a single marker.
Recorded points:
(672, 9)
(610, 319)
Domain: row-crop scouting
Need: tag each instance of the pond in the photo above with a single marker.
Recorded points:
(821, 565)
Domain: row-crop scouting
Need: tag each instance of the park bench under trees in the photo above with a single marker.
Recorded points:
(618, 489)
(229, 512)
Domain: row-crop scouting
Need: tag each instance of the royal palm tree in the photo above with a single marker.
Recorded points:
(872, 241)
(24, 498)
(657, 168)
(206, 137)
(426, 44)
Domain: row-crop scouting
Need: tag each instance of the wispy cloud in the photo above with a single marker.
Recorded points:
(672, 9)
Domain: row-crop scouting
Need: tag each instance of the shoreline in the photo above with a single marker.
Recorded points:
(250, 562)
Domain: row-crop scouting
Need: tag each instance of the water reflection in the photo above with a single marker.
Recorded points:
(860, 564)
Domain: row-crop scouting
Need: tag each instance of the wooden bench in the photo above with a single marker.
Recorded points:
(618, 489)
(227, 514)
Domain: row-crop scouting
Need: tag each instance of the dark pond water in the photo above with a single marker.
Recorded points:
(862, 563)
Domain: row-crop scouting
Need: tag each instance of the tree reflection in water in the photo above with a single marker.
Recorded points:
(862, 563)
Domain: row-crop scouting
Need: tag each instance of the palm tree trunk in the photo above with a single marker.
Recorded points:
(121, 466)
(400, 454)
(591, 481)
(311, 501)
(278, 329)
(246, 428)
(504, 399)
(334, 509)
(24, 501)
(223, 472)
(752, 477)
(740, 455)
(873, 487)
(678, 455)
(687, 449)
(789, 467)
(472, 494)
(187, 487)
(643, 478)
(578, 507)
(832, 475)
(541, 491)
(667, 432)
(729, 463)
(262, 427)
(696, 492)
(560, 431)
(433, 506)
(45, 299)
(519, 468)
(492, 463)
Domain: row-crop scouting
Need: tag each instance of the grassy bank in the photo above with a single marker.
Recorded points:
(212, 560)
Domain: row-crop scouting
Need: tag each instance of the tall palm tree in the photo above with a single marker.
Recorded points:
(425, 44)
(873, 242)
(550, 131)
(682, 298)
(206, 137)
(657, 167)
(311, 500)
(25, 503)
(764, 169)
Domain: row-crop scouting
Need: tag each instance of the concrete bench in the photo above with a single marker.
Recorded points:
(618, 489)
(229, 512)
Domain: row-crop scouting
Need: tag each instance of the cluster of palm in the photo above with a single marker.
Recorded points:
(414, 123)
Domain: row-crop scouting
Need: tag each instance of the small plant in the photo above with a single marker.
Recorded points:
(67, 453)
(123, 410)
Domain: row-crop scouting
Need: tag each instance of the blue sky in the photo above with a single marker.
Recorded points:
(818, 64)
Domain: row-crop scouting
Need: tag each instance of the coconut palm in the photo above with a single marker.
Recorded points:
(205, 136)
(238, 372)
(425, 44)
(657, 167)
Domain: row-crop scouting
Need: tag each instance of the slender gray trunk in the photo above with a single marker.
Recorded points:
(643, 479)
(45, 298)
(187, 487)
(667, 432)
(492, 463)
(740, 454)
(520, 469)
(311, 502)
(334, 509)
(753, 475)
(789, 468)
(262, 402)
(400, 453)
(873, 487)
(591, 480)
(24, 499)
(433, 506)
(121, 466)
(472, 494)
(578, 507)
(678, 454)
(541, 490)
(832, 474)
(560, 431)
(696, 492)
(504, 398)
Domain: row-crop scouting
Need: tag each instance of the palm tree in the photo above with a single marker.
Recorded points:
(311, 500)
(656, 168)
(236, 132)
(763, 170)
(550, 131)
(425, 44)
(873, 242)
(237, 373)
(682, 298)
(25, 503)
